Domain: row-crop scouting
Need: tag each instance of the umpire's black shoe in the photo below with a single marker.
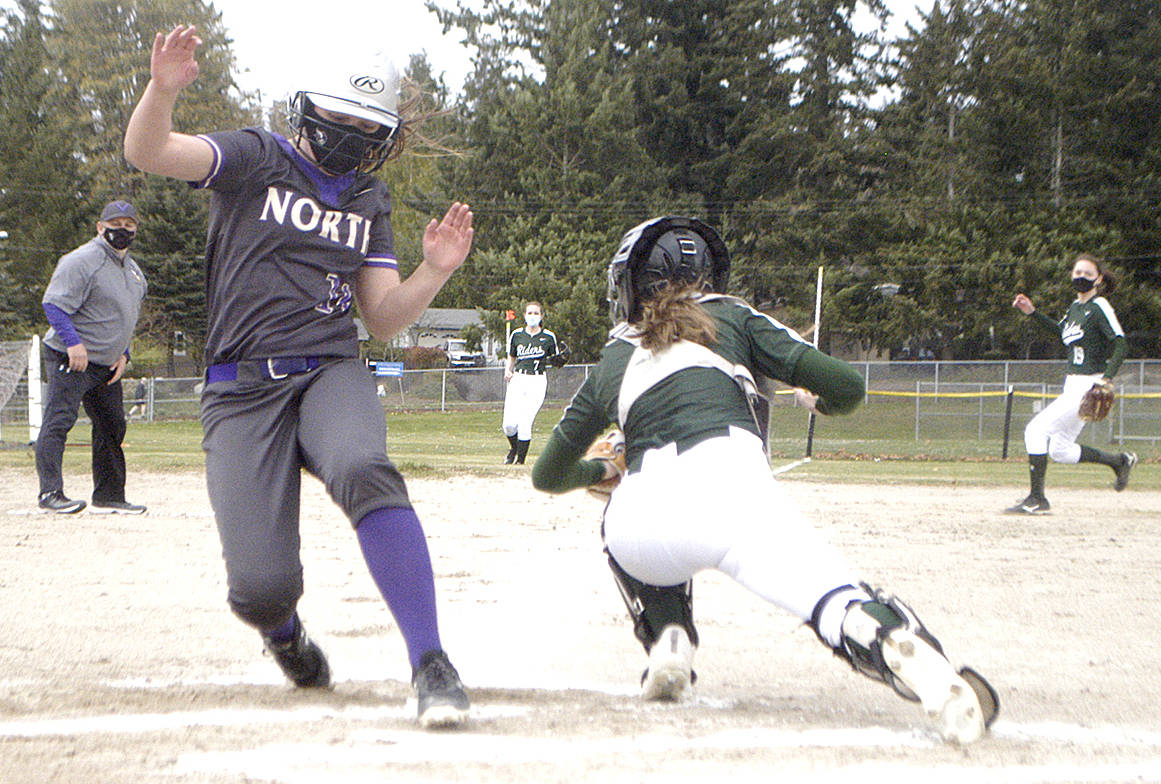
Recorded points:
(301, 660)
(115, 507)
(56, 501)
(1128, 460)
(440, 694)
(1030, 505)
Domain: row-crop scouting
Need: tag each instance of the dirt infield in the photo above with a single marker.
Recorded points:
(119, 661)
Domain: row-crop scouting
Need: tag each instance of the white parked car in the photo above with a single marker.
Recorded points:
(459, 356)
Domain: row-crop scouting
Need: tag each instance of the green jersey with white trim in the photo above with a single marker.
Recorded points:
(1092, 336)
(694, 403)
(531, 351)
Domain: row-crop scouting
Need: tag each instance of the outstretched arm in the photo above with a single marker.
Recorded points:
(836, 386)
(1025, 306)
(389, 305)
(151, 144)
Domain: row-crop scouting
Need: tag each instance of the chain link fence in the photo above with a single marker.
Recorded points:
(922, 400)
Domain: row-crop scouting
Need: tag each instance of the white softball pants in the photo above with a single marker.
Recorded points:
(717, 506)
(522, 401)
(1055, 429)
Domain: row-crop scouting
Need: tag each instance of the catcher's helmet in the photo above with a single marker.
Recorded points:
(368, 92)
(660, 251)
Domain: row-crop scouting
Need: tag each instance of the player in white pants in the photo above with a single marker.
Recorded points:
(698, 492)
(529, 350)
(1096, 347)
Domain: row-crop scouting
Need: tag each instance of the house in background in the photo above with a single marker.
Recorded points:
(433, 328)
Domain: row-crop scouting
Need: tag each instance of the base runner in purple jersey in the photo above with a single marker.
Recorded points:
(299, 232)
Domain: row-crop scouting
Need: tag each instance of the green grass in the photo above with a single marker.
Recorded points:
(876, 444)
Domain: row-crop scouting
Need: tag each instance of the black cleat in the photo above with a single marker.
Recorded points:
(440, 694)
(1030, 505)
(56, 501)
(511, 458)
(1128, 460)
(301, 660)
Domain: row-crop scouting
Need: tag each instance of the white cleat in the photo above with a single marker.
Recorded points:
(442, 717)
(948, 699)
(670, 670)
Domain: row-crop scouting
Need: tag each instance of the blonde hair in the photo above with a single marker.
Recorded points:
(674, 314)
(417, 106)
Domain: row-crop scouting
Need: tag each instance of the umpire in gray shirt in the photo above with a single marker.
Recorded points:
(92, 304)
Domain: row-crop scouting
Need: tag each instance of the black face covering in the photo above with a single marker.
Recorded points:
(338, 148)
(119, 238)
(1083, 284)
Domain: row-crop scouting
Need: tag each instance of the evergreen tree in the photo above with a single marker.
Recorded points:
(817, 205)
(554, 171)
(100, 53)
(39, 180)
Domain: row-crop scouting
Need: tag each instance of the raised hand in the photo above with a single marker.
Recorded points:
(446, 243)
(1023, 304)
(172, 65)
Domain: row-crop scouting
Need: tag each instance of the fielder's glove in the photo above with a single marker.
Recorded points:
(560, 358)
(609, 449)
(1097, 402)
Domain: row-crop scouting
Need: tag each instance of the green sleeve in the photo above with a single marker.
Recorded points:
(560, 467)
(1047, 322)
(839, 386)
(1120, 349)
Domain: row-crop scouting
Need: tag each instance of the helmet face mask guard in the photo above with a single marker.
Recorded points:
(659, 252)
(370, 93)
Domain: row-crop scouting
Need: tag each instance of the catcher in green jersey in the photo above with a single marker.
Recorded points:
(677, 376)
(1096, 347)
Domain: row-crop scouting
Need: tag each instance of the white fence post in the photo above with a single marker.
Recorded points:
(35, 404)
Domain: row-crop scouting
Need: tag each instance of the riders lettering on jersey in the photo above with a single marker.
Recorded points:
(529, 351)
(305, 214)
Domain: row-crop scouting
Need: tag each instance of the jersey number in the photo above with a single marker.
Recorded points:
(339, 298)
(1078, 355)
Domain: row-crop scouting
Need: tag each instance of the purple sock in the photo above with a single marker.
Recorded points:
(395, 550)
(285, 632)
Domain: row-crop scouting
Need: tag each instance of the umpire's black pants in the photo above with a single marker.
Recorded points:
(67, 391)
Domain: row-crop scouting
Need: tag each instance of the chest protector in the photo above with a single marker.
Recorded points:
(646, 369)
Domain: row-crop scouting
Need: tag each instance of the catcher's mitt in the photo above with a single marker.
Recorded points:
(560, 358)
(1097, 402)
(609, 448)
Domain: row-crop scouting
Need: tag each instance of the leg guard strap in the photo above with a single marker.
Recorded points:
(865, 626)
(653, 607)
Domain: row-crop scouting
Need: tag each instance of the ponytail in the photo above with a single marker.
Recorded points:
(674, 314)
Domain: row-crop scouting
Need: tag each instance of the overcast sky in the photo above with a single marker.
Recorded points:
(274, 48)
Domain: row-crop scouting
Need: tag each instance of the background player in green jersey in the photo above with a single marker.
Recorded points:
(530, 350)
(1096, 347)
(677, 376)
